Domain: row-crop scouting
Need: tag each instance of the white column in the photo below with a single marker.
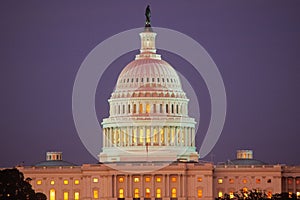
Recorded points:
(176, 136)
(130, 134)
(136, 135)
(151, 135)
(145, 135)
(159, 138)
(193, 136)
(165, 136)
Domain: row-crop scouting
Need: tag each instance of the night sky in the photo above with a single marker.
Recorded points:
(255, 44)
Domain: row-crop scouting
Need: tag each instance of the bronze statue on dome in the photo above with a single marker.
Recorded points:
(148, 16)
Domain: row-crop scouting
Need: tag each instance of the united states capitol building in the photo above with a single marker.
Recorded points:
(149, 150)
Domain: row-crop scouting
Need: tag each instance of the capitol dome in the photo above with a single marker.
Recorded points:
(148, 117)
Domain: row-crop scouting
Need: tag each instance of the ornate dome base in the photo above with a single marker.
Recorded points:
(150, 153)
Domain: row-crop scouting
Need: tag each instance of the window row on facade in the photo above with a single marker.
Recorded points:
(244, 180)
(148, 80)
(148, 108)
(152, 136)
(121, 194)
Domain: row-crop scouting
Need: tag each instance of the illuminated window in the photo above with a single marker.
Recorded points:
(66, 182)
(136, 179)
(258, 181)
(76, 182)
(39, 182)
(147, 193)
(231, 195)
(147, 179)
(158, 179)
(158, 193)
(199, 179)
(147, 108)
(244, 181)
(95, 194)
(121, 193)
(141, 108)
(76, 196)
(220, 194)
(297, 181)
(199, 193)
(52, 182)
(66, 195)
(220, 181)
(231, 180)
(95, 180)
(52, 194)
(173, 179)
(136, 193)
(298, 194)
(121, 179)
(245, 189)
(173, 193)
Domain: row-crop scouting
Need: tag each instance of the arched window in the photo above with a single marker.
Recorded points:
(173, 193)
(172, 108)
(134, 108)
(136, 193)
(158, 193)
(52, 194)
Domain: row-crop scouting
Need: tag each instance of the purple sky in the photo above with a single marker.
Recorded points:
(255, 44)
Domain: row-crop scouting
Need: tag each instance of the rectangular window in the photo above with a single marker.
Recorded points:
(158, 193)
(199, 179)
(39, 182)
(173, 179)
(121, 193)
(134, 108)
(158, 179)
(76, 182)
(220, 181)
(220, 194)
(199, 193)
(136, 179)
(231, 180)
(52, 182)
(147, 193)
(173, 193)
(136, 193)
(76, 196)
(147, 179)
(258, 181)
(52, 194)
(66, 182)
(66, 195)
(95, 180)
(95, 194)
(231, 195)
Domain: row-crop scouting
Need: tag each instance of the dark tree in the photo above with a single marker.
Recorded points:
(40, 196)
(14, 187)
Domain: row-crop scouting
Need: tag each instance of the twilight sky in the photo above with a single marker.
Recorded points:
(255, 44)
